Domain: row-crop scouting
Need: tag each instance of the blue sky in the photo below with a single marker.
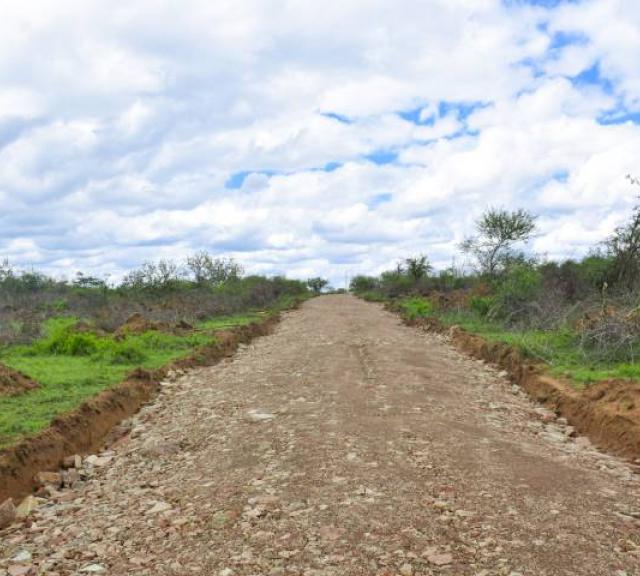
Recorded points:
(309, 139)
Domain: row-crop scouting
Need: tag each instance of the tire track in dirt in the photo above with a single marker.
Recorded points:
(344, 443)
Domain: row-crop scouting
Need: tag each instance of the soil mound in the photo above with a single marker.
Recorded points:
(138, 324)
(13, 383)
(82, 327)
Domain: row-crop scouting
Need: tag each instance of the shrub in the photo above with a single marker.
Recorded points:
(413, 308)
(612, 338)
(373, 296)
(317, 284)
(394, 284)
(121, 352)
(362, 283)
(624, 248)
(482, 305)
(595, 270)
(60, 305)
(516, 290)
(418, 267)
(68, 343)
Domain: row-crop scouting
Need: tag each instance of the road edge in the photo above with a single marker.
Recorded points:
(601, 412)
(86, 428)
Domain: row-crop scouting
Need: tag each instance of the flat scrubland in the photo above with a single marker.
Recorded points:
(74, 339)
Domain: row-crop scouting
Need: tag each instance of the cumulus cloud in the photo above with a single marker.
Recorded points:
(309, 139)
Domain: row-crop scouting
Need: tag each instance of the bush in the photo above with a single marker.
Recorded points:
(517, 289)
(373, 296)
(482, 305)
(60, 305)
(394, 284)
(317, 284)
(362, 283)
(413, 308)
(612, 338)
(68, 343)
(122, 352)
(595, 270)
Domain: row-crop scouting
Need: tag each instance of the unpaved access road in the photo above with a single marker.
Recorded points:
(345, 443)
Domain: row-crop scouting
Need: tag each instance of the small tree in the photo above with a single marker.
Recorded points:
(497, 233)
(517, 291)
(317, 284)
(6, 270)
(395, 282)
(84, 281)
(215, 271)
(363, 283)
(624, 248)
(167, 272)
(160, 275)
(418, 267)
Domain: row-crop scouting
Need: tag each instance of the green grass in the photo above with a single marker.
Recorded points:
(559, 349)
(67, 379)
(71, 367)
(416, 307)
(373, 296)
(226, 322)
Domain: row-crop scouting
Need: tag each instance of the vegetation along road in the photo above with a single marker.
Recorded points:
(344, 443)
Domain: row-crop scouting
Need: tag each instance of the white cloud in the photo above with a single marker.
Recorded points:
(120, 124)
(613, 30)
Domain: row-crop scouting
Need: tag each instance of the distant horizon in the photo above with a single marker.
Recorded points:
(311, 140)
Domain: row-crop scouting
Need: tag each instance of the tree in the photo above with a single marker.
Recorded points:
(418, 267)
(317, 284)
(6, 270)
(363, 283)
(161, 275)
(215, 271)
(84, 281)
(624, 247)
(497, 233)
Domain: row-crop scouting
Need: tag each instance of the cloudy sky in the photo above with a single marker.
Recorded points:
(308, 137)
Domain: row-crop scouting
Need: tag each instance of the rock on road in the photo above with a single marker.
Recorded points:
(343, 444)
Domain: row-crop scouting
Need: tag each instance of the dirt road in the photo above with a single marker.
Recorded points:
(344, 443)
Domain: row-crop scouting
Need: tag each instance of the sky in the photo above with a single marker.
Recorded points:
(310, 138)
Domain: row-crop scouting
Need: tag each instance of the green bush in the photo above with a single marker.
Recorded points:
(360, 284)
(482, 305)
(395, 284)
(373, 296)
(413, 308)
(517, 288)
(74, 344)
(595, 270)
(60, 339)
(121, 352)
(60, 305)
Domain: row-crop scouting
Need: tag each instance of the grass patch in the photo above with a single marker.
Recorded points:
(226, 322)
(68, 377)
(73, 366)
(373, 296)
(414, 308)
(559, 349)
